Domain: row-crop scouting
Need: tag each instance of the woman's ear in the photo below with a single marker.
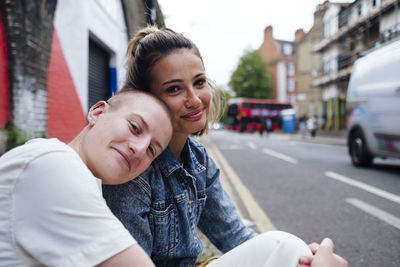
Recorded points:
(95, 111)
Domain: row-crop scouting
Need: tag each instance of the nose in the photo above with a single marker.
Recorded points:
(139, 146)
(192, 98)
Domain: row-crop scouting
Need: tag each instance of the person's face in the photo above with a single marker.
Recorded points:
(180, 80)
(122, 142)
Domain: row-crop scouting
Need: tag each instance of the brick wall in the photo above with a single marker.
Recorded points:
(28, 28)
(4, 94)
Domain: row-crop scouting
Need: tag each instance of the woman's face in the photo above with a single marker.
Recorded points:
(179, 79)
(122, 143)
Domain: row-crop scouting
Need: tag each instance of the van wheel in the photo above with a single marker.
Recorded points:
(359, 154)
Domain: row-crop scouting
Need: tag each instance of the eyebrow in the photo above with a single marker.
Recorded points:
(171, 81)
(142, 120)
(180, 80)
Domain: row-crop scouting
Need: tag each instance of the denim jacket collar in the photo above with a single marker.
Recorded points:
(168, 163)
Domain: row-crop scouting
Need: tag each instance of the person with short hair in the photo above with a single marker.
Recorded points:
(52, 211)
(181, 190)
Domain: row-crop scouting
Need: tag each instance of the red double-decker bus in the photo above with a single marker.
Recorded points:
(246, 114)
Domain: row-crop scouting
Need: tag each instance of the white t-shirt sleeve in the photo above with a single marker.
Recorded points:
(61, 218)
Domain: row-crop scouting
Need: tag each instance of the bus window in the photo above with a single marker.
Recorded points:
(246, 105)
(233, 110)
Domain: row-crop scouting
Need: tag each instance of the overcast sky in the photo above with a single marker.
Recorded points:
(223, 29)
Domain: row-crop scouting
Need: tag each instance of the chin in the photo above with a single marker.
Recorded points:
(112, 180)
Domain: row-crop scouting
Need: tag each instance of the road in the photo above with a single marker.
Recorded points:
(312, 190)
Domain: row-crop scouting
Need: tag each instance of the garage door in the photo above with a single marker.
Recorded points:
(99, 88)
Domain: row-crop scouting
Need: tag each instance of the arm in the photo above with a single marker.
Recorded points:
(134, 256)
(220, 220)
(130, 203)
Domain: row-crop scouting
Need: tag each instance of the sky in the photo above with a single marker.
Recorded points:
(224, 29)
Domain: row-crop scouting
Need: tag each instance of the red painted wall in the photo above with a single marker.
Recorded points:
(4, 91)
(64, 111)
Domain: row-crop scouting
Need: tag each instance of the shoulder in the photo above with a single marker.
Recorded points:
(35, 148)
(197, 148)
(199, 152)
(137, 188)
(194, 142)
(55, 157)
(40, 155)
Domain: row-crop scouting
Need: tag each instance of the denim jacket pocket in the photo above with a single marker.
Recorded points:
(164, 226)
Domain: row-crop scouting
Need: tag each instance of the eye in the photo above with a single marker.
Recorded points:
(200, 82)
(135, 128)
(152, 151)
(172, 89)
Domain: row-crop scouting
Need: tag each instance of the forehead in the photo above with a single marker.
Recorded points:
(177, 63)
(133, 103)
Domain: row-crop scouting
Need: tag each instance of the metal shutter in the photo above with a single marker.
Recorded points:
(98, 73)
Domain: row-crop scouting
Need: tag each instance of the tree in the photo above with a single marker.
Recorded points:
(251, 78)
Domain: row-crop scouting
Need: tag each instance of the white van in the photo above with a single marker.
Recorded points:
(373, 106)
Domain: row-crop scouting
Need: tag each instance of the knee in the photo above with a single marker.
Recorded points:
(284, 241)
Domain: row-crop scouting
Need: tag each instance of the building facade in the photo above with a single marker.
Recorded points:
(350, 30)
(280, 57)
(308, 66)
(85, 47)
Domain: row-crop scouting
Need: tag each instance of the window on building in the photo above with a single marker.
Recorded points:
(291, 85)
(287, 49)
(331, 66)
(290, 69)
(314, 73)
(99, 84)
(326, 67)
(343, 17)
(359, 10)
(373, 2)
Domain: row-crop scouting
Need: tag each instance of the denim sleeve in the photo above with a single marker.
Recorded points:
(130, 203)
(220, 220)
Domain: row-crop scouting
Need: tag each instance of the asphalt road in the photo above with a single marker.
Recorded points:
(312, 190)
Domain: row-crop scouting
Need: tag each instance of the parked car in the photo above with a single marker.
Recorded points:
(373, 106)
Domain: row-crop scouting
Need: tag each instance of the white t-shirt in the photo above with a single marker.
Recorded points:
(52, 211)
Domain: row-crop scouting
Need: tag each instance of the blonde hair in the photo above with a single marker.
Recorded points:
(150, 45)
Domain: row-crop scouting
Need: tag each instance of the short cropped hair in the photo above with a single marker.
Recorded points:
(117, 100)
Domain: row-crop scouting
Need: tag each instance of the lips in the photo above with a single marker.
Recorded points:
(124, 157)
(195, 115)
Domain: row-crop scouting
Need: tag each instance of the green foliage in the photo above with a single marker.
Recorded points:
(17, 137)
(251, 78)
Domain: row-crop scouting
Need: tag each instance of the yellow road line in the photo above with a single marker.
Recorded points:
(256, 213)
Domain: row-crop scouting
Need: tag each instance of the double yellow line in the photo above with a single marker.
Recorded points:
(256, 213)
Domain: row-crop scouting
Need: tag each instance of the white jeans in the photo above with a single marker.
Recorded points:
(270, 249)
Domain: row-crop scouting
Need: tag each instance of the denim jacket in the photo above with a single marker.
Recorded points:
(163, 206)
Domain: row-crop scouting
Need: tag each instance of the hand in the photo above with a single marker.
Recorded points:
(324, 257)
(306, 260)
(313, 247)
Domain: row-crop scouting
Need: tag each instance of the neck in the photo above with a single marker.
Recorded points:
(176, 145)
(75, 144)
